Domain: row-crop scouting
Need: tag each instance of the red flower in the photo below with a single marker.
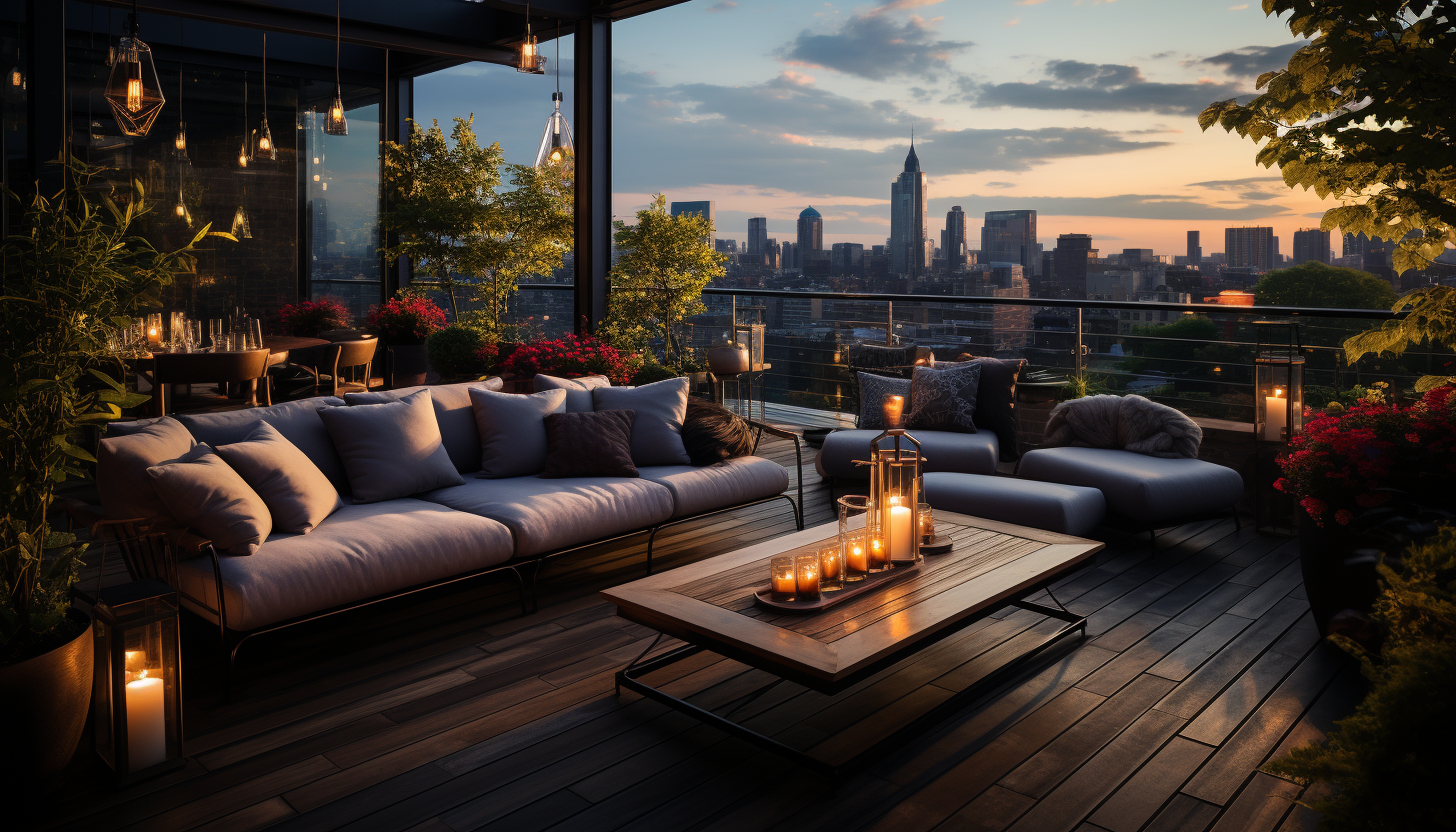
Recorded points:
(1343, 517)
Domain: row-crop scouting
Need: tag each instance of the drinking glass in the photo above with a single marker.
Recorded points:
(214, 333)
(255, 333)
(831, 568)
(806, 577)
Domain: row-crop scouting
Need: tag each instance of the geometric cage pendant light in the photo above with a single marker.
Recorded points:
(132, 88)
(335, 124)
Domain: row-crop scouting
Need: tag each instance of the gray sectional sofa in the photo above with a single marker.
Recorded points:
(365, 553)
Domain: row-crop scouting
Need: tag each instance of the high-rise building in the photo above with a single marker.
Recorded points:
(1311, 244)
(1010, 237)
(1250, 248)
(703, 208)
(909, 242)
(847, 259)
(1133, 256)
(811, 234)
(954, 243)
(1195, 250)
(1069, 265)
(788, 255)
(758, 236)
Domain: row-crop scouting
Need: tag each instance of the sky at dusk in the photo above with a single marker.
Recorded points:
(1084, 110)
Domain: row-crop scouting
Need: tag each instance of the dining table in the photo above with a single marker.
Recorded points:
(278, 346)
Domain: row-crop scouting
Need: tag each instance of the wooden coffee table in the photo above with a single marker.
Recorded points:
(710, 606)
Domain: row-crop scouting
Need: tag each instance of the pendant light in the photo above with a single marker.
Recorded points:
(529, 59)
(132, 88)
(556, 139)
(335, 124)
(179, 142)
(15, 79)
(180, 209)
(241, 229)
(243, 154)
(265, 136)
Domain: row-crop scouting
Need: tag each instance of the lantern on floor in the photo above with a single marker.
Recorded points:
(1278, 381)
(895, 464)
(137, 693)
(132, 88)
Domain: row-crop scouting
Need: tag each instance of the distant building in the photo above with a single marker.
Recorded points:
(758, 235)
(1133, 256)
(1010, 237)
(909, 241)
(725, 246)
(1250, 248)
(1311, 244)
(954, 242)
(847, 259)
(1195, 250)
(703, 208)
(788, 255)
(811, 234)
(1069, 266)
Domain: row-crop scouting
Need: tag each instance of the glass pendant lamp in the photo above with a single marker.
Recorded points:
(243, 152)
(529, 58)
(15, 79)
(132, 88)
(335, 124)
(265, 136)
(180, 209)
(556, 138)
(179, 142)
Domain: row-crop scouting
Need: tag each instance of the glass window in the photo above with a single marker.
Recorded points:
(341, 204)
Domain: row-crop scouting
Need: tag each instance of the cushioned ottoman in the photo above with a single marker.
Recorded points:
(1069, 509)
(1144, 492)
(966, 453)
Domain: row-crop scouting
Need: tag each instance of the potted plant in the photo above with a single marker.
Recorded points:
(569, 356)
(312, 318)
(455, 352)
(402, 324)
(74, 270)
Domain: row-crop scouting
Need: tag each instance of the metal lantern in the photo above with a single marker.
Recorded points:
(132, 88)
(138, 685)
(1278, 381)
(896, 464)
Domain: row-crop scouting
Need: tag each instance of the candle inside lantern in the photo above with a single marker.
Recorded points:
(806, 577)
(781, 579)
(1276, 415)
(900, 530)
(146, 722)
(894, 407)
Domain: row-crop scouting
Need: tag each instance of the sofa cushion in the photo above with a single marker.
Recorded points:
(578, 390)
(512, 430)
(452, 412)
(122, 461)
(297, 493)
(204, 494)
(966, 453)
(391, 450)
(359, 552)
(661, 408)
(722, 484)
(996, 401)
(873, 391)
(1069, 509)
(546, 515)
(298, 421)
(589, 445)
(944, 398)
(1149, 491)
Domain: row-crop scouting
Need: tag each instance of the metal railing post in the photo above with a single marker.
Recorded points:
(1079, 350)
(889, 323)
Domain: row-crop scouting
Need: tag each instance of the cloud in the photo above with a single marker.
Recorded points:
(1012, 22)
(722, 6)
(1000, 185)
(1075, 85)
(1253, 61)
(871, 46)
(902, 5)
(1127, 206)
(1030, 2)
(1240, 7)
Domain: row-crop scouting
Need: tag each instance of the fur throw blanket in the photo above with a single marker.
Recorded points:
(1129, 423)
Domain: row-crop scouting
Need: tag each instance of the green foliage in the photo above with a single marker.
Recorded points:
(74, 270)
(1169, 347)
(1364, 114)
(658, 281)
(1315, 284)
(1430, 316)
(1389, 762)
(453, 351)
(652, 371)
(454, 219)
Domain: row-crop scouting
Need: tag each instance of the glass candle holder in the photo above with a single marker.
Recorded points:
(806, 577)
(879, 555)
(781, 578)
(854, 515)
(831, 569)
(927, 524)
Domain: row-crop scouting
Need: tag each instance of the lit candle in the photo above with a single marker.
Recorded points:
(781, 579)
(154, 336)
(855, 561)
(806, 568)
(900, 530)
(829, 564)
(894, 406)
(927, 525)
(146, 723)
(1276, 415)
(879, 557)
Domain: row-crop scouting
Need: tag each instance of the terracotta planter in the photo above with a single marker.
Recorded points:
(46, 700)
(1335, 578)
(407, 365)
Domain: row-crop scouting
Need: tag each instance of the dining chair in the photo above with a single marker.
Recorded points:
(331, 359)
(246, 366)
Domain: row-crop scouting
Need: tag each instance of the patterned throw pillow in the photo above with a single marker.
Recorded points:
(944, 398)
(873, 390)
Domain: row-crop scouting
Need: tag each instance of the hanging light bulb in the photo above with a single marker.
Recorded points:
(265, 136)
(529, 58)
(179, 142)
(180, 209)
(556, 142)
(244, 154)
(336, 124)
(132, 88)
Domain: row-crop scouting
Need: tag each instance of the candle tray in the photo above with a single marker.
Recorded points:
(939, 545)
(829, 599)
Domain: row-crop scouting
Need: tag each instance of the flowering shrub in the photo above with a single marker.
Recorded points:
(406, 320)
(310, 318)
(1344, 462)
(572, 355)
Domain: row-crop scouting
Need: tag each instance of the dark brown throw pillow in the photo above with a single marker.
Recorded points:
(713, 433)
(597, 444)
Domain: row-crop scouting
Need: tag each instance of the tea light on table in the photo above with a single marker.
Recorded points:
(831, 569)
(806, 577)
(781, 578)
(154, 336)
(879, 556)
(856, 561)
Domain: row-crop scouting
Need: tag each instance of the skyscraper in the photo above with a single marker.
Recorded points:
(1069, 265)
(703, 208)
(954, 245)
(1195, 250)
(1010, 237)
(1249, 248)
(758, 236)
(1311, 244)
(909, 242)
(811, 234)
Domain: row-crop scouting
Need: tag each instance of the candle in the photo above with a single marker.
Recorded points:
(855, 562)
(894, 406)
(879, 557)
(781, 579)
(146, 723)
(1276, 416)
(806, 577)
(927, 524)
(900, 531)
(154, 336)
(831, 569)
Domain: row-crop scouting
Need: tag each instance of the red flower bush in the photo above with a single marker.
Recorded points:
(573, 355)
(1344, 462)
(310, 318)
(406, 320)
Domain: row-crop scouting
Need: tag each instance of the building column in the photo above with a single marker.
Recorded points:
(398, 110)
(48, 113)
(592, 127)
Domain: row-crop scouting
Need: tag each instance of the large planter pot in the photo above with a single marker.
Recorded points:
(1335, 578)
(406, 365)
(45, 700)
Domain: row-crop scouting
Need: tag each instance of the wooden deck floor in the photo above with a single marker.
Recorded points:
(449, 712)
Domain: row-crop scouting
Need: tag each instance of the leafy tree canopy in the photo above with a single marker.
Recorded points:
(1364, 113)
(1315, 284)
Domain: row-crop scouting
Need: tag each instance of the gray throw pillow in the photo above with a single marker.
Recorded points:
(390, 450)
(122, 483)
(297, 493)
(298, 421)
(944, 398)
(578, 390)
(660, 409)
(202, 493)
(513, 430)
(453, 413)
(873, 391)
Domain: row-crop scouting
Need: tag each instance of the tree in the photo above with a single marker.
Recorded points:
(658, 281)
(1315, 284)
(1364, 113)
